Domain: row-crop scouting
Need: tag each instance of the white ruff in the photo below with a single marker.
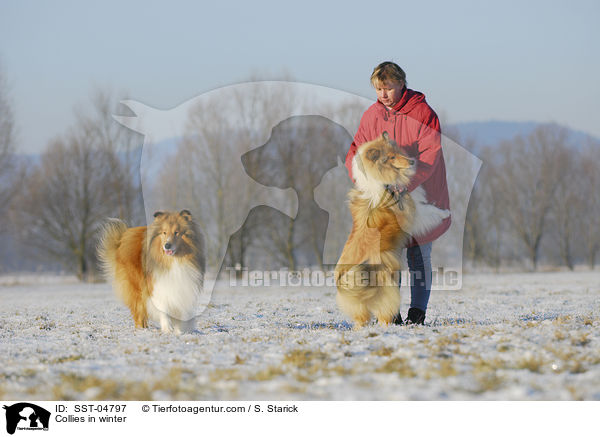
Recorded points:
(370, 188)
(176, 296)
(427, 216)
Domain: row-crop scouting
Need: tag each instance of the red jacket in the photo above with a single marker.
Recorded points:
(416, 128)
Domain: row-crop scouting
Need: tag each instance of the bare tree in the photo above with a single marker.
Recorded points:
(569, 206)
(589, 181)
(487, 238)
(528, 171)
(205, 178)
(7, 148)
(122, 145)
(475, 229)
(88, 174)
(65, 199)
(209, 179)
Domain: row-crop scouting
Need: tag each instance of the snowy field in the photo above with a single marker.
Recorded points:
(503, 337)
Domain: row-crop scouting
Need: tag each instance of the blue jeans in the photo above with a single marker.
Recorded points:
(419, 267)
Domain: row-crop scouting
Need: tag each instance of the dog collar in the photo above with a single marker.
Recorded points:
(397, 195)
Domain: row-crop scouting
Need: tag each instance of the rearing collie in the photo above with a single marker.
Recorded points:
(158, 271)
(367, 271)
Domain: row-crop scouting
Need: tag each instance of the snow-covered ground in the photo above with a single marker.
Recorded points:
(505, 336)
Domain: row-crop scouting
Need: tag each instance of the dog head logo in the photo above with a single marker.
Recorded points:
(262, 158)
(25, 416)
(299, 152)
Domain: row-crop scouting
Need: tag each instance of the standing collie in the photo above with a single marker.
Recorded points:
(382, 224)
(158, 270)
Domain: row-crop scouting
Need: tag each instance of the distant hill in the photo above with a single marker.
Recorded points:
(489, 133)
(484, 133)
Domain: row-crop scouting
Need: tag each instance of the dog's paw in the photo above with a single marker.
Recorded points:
(357, 326)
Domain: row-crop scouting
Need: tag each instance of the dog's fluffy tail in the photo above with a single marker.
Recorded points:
(358, 281)
(364, 281)
(110, 240)
(367, 289)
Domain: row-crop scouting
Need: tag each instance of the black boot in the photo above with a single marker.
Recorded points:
(397, 320)
(415, 317)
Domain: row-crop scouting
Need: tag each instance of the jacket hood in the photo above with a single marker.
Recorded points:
(408, 101)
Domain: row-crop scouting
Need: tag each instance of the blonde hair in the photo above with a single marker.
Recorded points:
(388, 72)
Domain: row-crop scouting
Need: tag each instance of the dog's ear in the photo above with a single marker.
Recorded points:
(386, 136)
(186, 214)
(373, 154)
(158, 214)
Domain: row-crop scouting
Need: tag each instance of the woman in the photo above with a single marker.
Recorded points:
(415, 127)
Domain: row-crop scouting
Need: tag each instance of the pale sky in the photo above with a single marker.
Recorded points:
(475, 61)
